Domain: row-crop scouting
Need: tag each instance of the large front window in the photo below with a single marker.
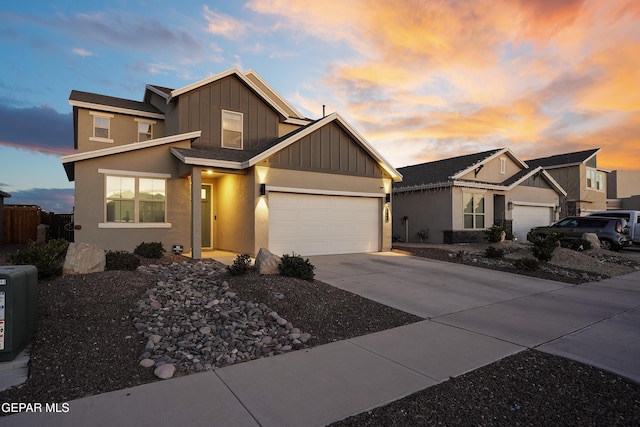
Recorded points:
(135, 199)
(231, 129)
(473, 210)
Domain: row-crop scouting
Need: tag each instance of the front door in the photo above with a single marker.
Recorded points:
(206, 206)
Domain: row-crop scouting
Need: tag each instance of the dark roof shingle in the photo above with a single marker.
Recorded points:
(562, 159)
(110, 101)
(440, 171)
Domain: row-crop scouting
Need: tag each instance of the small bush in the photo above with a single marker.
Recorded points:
(240, 265)
(577, 244)
(295, 266)
(121, 260)
(152, 250)
(460, 254)
(493, 252)
(494, 234)
(543, 247)
(526, 264)
(48, 258)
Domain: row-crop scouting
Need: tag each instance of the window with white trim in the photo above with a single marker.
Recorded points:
(145, 130)
(595, 180)
(232, 130)
(135, 199)
(473, 210)
(101, 127)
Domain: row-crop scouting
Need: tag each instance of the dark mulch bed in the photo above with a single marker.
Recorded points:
(530, 388)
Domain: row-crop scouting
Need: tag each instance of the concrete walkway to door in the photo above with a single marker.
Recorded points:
(595, 323)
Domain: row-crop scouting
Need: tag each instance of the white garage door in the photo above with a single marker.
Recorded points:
(318, 225)
(527, 217)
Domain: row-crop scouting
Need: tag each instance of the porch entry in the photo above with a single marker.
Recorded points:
(208, 216)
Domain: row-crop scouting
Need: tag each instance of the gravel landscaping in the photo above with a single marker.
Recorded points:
(96, 329)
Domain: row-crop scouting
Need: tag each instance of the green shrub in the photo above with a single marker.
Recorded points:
(152, 250)
(543, 247)
(240, 265)
(577, 244)
(526, 264)
(493, 252)
(494, 234)
(48, 258)
(460, 254)
(295, 266)
(121, 260)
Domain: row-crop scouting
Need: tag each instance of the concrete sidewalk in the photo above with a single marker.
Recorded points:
(481, 320)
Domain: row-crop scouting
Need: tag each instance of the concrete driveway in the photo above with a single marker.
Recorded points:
(596, 323)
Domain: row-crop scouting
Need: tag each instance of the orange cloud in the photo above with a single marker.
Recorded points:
(537, 75)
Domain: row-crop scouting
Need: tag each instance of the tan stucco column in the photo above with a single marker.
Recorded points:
(196, 213)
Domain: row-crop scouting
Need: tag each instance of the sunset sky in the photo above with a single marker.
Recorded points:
(420, 80)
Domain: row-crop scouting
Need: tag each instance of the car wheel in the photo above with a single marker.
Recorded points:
(607, 244)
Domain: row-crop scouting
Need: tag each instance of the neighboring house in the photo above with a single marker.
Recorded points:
(224, 163)
(623, 189)
(454, 200)
(3, 196)
(579, 174)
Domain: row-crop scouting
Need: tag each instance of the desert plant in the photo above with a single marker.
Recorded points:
(494, 234)
(543, 247)
(240, 265)
(526, 264)
(121, 260)
(577, 244)
(296, 266)
(493, 252)
(48, 258)
(152, 250)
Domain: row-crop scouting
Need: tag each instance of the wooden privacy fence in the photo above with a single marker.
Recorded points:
(20, 224)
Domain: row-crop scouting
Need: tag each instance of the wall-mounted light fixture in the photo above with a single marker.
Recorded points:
(263, 189)
(387, 198)
(510, 206)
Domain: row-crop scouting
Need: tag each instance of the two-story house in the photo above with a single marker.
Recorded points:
(224, 163)
(578, 173)
(454, 200)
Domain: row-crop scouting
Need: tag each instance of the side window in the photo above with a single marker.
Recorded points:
(101, 127)
(232, 130)
(145, 129)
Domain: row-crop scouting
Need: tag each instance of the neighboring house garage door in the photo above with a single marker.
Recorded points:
(527, 217)
(317, 224)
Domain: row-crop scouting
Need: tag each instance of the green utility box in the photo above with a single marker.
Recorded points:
(18, 308)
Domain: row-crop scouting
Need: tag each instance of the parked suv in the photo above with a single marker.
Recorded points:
(612, 232)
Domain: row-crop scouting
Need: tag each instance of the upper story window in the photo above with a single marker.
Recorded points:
(595, 180)
(231, 129)
(145, 129)
(101, 127)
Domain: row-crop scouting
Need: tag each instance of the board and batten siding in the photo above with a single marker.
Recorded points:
(201, 109)
(329, 149)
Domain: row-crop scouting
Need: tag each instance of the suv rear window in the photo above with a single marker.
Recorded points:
(593, 223)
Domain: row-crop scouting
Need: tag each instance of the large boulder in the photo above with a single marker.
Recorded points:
(267, 263)
(593, 238)
(83, 258)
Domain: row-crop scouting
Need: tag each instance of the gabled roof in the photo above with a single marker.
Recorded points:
(266, 92)
(449, 172)
(563, 160)
(4, 195)
(242, 159)
(445, 170)
(69, 161)
(94, 101)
